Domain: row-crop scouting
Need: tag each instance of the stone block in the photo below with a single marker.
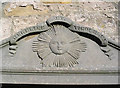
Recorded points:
(23, 11)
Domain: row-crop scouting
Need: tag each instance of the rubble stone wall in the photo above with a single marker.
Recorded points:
(101, 16)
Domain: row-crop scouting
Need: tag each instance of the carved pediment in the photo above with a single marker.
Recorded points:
(59, 43)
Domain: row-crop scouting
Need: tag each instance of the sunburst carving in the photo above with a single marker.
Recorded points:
(59, 47)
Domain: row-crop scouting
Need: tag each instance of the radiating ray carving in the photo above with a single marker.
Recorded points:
(59, 47)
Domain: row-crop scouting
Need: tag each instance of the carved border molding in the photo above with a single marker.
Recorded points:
(22, 33)
(60, 20)
(45, 26)
(87, 30)
(12, 71)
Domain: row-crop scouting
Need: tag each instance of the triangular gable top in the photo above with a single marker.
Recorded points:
(61, 51)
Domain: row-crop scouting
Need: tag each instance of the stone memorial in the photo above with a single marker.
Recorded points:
(59, 51)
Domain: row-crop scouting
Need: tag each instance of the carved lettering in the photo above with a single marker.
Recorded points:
(27, 31)
(90, 31)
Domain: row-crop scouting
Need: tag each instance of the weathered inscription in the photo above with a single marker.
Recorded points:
(104, 41)
(60, 21)
(27, 31)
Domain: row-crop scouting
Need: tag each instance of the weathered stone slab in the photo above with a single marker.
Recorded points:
(58, 46)
(71, 79)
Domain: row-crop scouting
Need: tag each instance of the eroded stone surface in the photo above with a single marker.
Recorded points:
(23, 10)
(102, 16)
(6, 28)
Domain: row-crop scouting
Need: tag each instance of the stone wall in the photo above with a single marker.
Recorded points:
(102, 16)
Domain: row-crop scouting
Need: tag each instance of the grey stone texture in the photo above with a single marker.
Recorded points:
(25, 23)
(43, 51)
